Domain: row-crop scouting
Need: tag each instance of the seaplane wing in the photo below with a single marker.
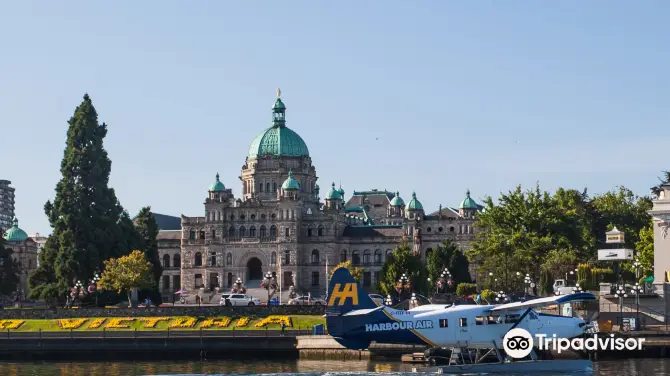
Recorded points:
(544, 302)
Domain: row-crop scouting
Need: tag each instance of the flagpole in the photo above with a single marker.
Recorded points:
(327, 277)
(281, 280)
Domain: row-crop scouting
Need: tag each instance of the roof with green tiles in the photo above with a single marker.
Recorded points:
(278, 140)
(414, 203)
(290, 184)
(14, 233)
(468, 202)
(217, 186)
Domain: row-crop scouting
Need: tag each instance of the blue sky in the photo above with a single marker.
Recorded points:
(432, 96)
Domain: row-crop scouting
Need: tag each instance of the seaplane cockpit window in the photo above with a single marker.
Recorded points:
(532, 315)
(463, 321)
(511, 319)
(479, 320)
(444, 323)
(493, 320)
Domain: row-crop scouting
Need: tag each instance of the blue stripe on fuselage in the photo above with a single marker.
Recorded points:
(354, 327)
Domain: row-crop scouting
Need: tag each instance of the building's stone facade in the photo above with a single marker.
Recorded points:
(24, 252)
(282, 225)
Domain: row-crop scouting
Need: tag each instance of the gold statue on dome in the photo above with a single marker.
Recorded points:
(278, 92)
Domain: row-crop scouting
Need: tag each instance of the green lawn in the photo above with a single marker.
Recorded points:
(298, 321)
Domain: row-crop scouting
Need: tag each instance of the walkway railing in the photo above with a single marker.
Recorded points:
(169, 333)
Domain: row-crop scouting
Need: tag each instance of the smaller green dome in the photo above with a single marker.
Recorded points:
(279, 105)
(397, 201)
(468, 202)
(290, 184)
(15, 234)
(333, 194)
(217, 186)
(414, 204)
(341, 192)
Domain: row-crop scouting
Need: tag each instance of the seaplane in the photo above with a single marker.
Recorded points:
(354, 320)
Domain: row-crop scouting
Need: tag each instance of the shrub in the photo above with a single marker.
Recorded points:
(464, 289)
(488, 295)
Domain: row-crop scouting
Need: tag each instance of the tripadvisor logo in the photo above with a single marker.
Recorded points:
(518, 343)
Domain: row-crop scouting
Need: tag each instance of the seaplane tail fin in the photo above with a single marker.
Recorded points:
(544, 302)
(345, 294)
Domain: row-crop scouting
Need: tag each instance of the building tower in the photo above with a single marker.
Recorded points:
(6, 205)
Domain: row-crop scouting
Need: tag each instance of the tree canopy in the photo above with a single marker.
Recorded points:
(402, 261)
(84, 214)
(526, 231)
(447, 255)
(355, 271)
(129, 272)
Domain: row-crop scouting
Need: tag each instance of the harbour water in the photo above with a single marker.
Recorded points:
(630, 367)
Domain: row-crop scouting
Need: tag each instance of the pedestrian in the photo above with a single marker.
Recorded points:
(283, 327)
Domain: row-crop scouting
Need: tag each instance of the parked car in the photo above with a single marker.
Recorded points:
(222, 302)
(378, 299)
(242, 300)
(306, 300)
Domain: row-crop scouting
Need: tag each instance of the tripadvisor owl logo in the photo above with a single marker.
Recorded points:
(518, 343)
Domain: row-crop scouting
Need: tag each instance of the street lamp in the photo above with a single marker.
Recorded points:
(528, 282)
(637, 290)
(93, 287)
(621, 294)
(501, 297)
(268, 284)
(403, 283)
(577, 289)
(389, 301)
(444, 280)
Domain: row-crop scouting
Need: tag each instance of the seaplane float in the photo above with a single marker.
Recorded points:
(354, 320)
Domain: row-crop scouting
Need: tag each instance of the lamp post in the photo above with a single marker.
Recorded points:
(501, 297)
(429, 280)
(621, 294)
(637, 267)
(637, 290)
(413, 301)
(403, 283)
(443, 280)
(389, 301)
(528, 282)
(268, 284)
(93, 287)
(577, 289)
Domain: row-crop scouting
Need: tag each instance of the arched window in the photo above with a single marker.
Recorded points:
(366, 257)
(166, 261)
(273, 259)
(212, 259)
(378, 256)
(274, 186)
(191, 235)
(287, 257)
(231, 232)
(229, 259)
(343, 255)
(176, 261)
(260, 187)
(198, 259)
(202, 234)
(243, 231)
(230, 279)
(309, 231)
(355, 258)
(315, 256)
(320, 230)
(267, 185)
(263, 231)
(273, 231)
(288, 231)
(252, 231)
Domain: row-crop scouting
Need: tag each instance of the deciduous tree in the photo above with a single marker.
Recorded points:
(126, 273)
(645, 249)
(355, 271)
(448, 255)
(402, 261)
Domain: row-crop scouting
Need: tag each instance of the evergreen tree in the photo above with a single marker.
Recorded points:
(9, 277)
(147, 229)
(402, 261)
(448, 255)
(84, 213)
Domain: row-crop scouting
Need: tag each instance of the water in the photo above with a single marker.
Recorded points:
(632, 367)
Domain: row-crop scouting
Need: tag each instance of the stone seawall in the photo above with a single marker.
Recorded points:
(47, 314)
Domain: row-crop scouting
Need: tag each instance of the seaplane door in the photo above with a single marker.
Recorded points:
(464, 329)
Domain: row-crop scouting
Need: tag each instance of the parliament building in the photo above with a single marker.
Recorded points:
(285, 224)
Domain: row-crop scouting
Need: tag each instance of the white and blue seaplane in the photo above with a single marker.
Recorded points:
(355, 321)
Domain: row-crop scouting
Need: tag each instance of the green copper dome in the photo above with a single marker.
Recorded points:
(278, 140)
(341, 192)
(290, 184)
(15, 234)
(333, 194)
(468, 202)
(217, 186)
(414, 204)
(397, 201)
